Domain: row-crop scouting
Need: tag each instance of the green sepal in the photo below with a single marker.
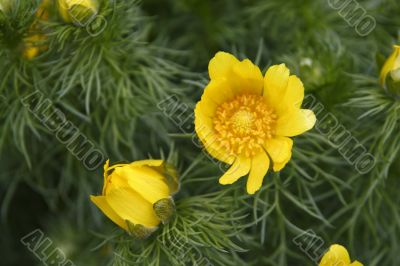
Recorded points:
(164, 209)
(140, 231)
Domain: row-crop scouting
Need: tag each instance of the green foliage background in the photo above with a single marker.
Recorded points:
(110, 85)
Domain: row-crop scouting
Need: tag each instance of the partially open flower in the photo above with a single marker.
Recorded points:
(246, 120)
(137, 196)
(337, 255)
(79, 12)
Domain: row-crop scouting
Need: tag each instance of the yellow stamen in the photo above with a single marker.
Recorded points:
(243, 124)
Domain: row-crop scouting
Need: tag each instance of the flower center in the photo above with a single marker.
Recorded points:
(243, 124)
(242, 121)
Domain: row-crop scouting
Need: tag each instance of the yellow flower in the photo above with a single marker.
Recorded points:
(33, 45)
(245, 119)
(137, 196)
(391, 66)
(337, 255)
(78, 11)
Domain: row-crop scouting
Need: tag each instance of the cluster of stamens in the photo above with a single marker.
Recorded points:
(243, 124)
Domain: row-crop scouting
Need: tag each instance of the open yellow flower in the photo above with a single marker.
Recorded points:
(245, 119)
(337, 255)
(391, 66)
(137, 196)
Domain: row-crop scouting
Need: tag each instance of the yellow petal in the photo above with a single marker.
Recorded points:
(295, 122)
(105, 176)
(31, 52)
(203, 124)
(218, 91)
(280, 151)
(221, 65)
(240, 167)
(115, 181)
(246, 78)
(259, 168)
(101, 203)
(207, 107)
(336, 255)
(275, 84)
(154, 163)
(145, 181)
(294, 94)
(166, 170)
(356, 263)
(130, 206)
(213, 148)
(205, 132)
(392, 63)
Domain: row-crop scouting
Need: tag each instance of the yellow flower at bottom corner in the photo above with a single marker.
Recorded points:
(137, 196)
(246, 120)
(337, 255)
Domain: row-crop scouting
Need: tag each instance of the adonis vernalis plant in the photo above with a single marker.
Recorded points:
(246, 120)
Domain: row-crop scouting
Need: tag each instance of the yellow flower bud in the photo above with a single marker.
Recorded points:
(392, 67)
(80, 12)
(337, 255)
(137, 196)
(33, 46)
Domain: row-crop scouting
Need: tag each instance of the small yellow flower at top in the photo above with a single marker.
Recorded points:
(137, 196)
(337, 255)
(78, 11)
(246, 120)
